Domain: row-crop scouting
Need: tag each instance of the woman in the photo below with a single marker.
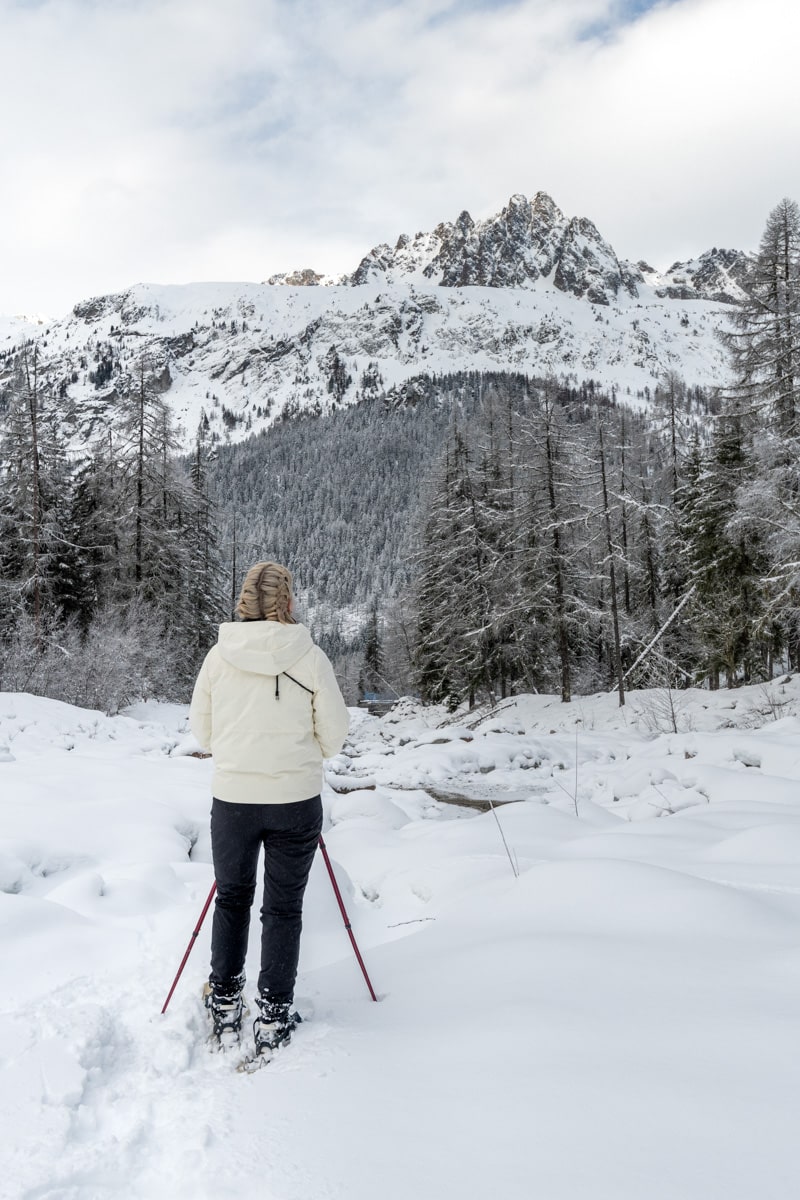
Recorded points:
(267, 706)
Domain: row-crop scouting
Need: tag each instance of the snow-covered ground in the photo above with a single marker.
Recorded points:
(606, 1010)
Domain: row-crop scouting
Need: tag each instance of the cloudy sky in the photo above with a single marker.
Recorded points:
(179, 140)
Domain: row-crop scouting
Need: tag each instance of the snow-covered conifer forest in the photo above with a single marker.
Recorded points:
(529, 465)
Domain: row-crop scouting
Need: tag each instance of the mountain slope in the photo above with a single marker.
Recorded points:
(527, 291)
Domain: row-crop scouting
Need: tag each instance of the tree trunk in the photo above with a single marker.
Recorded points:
(557, 564)
(36, 497)
(611, 573)
(626, 580)
(139, 482)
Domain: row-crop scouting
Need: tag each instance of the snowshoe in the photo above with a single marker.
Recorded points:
(227, 1010)
(273, 1026)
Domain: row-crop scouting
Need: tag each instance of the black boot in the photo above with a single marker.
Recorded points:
(274, 1024)
(226, 1008)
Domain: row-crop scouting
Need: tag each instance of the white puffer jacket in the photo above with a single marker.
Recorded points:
(268, 707)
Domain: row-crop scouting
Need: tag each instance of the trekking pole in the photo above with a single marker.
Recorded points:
(345, 917)
(192, 940)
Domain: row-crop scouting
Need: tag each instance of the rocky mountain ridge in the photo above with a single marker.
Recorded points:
(531, 240)
(526, 291)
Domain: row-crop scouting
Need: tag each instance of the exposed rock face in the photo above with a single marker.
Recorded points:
(97, 306)
(527, 241)
(587, 265)
(716, 275)
(408, 257)
(510, 250)
(374, 264)
(303, 278)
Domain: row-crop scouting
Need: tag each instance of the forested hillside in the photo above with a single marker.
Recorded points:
(463, 534)
(335, 495)
(355, 502)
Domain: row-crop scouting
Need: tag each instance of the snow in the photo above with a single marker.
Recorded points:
(611, 1015)
(248, 345)
(17, 328)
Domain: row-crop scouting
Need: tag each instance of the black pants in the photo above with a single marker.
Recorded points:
(289, 834)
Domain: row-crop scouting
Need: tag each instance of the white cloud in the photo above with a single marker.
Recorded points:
(181, 139)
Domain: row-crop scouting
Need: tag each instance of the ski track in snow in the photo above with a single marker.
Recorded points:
(618, 1023)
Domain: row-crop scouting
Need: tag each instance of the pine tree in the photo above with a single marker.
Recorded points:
(610, 564)
(447, 591)
(35, 572)
(371, 674)
(205, 579)
(764, 344)
(554, 512)
(765, 358)
(726, 559)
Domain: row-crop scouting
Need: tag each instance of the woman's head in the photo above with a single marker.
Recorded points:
(267, 594)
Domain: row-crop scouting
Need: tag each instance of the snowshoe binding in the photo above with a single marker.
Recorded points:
(227, 1010)
(273, 1027)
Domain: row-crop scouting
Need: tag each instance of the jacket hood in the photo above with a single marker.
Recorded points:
(263, 647)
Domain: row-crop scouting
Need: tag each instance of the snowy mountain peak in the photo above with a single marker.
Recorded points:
(526, 290)
(464, 224)
(544, 207)
(716, 275)
(530, 243)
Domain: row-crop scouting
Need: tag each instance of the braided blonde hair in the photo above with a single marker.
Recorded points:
(266, 594)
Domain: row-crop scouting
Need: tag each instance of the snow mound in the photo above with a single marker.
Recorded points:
(637, 900)
(373, 806)
(773, 843)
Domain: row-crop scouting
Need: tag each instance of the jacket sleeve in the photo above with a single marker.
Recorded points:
(200, 710)
(331, 719)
